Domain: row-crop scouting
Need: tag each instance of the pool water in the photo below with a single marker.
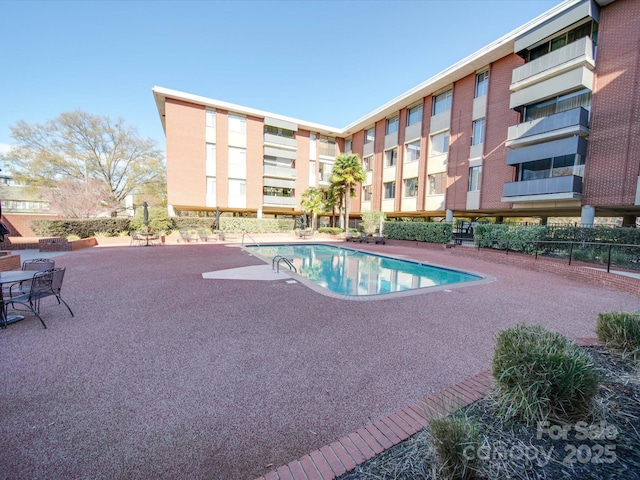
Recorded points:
(355, 273)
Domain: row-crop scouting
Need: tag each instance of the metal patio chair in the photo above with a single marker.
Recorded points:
(40, 288)
(35, 264)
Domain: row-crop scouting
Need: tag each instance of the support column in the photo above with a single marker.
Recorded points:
(499, 219)
(588, 216)
(543, 220)
(449, 216)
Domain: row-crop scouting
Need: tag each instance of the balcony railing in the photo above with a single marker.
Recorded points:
(279, 201)
(573, 121)
(570, 185)
(278, 140)
(283, 172)
(580, 49)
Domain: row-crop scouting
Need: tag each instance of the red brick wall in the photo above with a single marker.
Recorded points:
(18, 224)
(495, 171)
(186, 153)
(255, 155)
(222, 158)
(613, 158)
(10, 262)
(378, 165)
(460, 143)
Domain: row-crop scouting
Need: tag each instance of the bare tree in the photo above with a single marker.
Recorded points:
(84, 147)
(79, 199)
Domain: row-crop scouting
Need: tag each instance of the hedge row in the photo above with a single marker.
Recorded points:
(431, 232)
(113, 226)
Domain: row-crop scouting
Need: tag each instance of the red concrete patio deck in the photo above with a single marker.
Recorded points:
(163, 374)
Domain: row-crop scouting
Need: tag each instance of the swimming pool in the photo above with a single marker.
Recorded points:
(355, 273)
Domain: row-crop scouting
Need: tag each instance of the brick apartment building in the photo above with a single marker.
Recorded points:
(543, 122)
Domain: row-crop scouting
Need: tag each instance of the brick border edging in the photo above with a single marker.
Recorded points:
(345, 454)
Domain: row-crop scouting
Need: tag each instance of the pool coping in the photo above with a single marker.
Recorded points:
(484, 278)
(345, 454)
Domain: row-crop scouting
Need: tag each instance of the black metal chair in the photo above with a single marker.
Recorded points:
(40, 288)
(35, 264)
(44, 284)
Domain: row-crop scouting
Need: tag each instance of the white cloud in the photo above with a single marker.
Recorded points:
(4, 147)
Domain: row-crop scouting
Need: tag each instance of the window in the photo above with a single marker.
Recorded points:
(211, 187)
(312, 146)
(482, 83)
(440, 143)
(392, 125)
(391, 157)
(474, 178)
(237, 162)
(210, 116)
(367, 163)
(277, 191)
(272, 161)
(442, 102)
(562, 166)
(327, 146)
(369, 135)
(347, 145)
(210, 166)
(478, 132)
(412, 152)
(414, 115)
(589, 29)
(279, 132)
(366, 193)
(411, 187)
(237, 124)
(581, 98)
(389, 190)
(437, 183)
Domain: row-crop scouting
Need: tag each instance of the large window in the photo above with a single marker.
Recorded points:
(478, 132)
(437, 183)
(412, 152)
(237, 124)
(277, 191)
(210, 166)
(482, 83)
(475, 174)
(279, 132)
(411, 187)
(366, 193)
(440, 143)
(589, 29)
(210, 118)
(562, 166)
(347, 145)
(442, 102)
(327, 146)
(211, 187)
(581, 98)
(391, 157)
(414, 115)
(367, 163)
(392, 125)
(237, 162)
(389, 190)
(369, 135)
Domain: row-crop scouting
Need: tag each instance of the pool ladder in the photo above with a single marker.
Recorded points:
(275, 263)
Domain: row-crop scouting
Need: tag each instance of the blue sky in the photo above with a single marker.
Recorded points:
(329, 62)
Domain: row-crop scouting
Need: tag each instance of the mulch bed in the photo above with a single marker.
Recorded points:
(606, 446)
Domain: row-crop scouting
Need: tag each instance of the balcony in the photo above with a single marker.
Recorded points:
(559, 125)
(278, 140)
(281, 172)
(578, 53)
(553, 188)
(273, 200)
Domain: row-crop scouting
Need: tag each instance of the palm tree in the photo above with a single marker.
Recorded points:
(313, 202)
(347, 172)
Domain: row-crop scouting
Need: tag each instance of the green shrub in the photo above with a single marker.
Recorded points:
(432, 232)
(84, 228)
(620, 331)
(541, 374)
(453, 438)
(159, 220)
(330, 230)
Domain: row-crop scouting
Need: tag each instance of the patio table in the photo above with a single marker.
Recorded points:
(12, 276)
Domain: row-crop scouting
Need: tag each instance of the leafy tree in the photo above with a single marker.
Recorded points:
(78, 145)
(347, 172)
(74, 198)
(313, 202)
(372, 220)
